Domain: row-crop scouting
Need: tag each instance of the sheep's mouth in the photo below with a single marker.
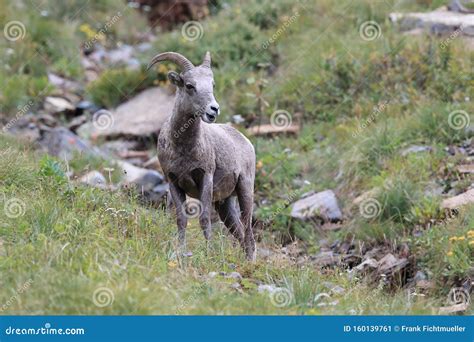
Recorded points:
(209, 118)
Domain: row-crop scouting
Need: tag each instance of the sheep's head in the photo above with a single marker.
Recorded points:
(195, 85)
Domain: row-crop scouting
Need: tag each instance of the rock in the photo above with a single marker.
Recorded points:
(83, 106)
(145, 179)
(63, 143)
(419, 276)
(390, 264)
(439, 21)
(266, 288)
(336, 289)
(143, 47)
(369, 263)
(458, 6)
(24, 127)
(466, 168)
(416, 149)
(152, 163)
(212, 275)
(77, 122)
(56, 105)
(94, 178)
(459, 200)
(425, 284)
(237, 119)
(118, 146)
(236, 286)
(143, 115)
(46, 119)
(269, 130)
(264, 253)
(326, 258)
(123, 55)
(234, 275)
(63, 83)
(453, 308)
(373, 193)
(131, 154)
(323, 204)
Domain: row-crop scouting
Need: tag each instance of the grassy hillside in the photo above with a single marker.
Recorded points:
(71, 241)
(361, 103)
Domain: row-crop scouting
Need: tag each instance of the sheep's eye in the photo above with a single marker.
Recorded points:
(189, 86)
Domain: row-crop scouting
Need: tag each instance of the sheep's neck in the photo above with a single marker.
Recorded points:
(186, 128)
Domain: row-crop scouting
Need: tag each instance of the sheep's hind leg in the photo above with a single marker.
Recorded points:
(228, 213)
(245, 196)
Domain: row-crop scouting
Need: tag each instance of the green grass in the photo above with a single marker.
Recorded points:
(72, 240)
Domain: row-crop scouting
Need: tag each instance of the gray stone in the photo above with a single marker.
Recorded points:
(439, 21)
(416, 149)
(77, 122)
(234, 275)
(63, 143)
(459, 200)
(266, 288)
(322, 204)
(145, 179)
(94, 178)
(143, 115)
(419, 276)
(63, 83)
(55, 105)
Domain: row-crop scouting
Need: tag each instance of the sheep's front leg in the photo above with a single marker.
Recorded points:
(206, 202)
(179, 198)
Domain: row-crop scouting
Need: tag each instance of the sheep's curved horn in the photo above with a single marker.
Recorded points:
(207, 60)
(174, 57)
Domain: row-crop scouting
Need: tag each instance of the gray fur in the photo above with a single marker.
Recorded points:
(211, 162)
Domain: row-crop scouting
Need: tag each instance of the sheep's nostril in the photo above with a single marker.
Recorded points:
(215, 109)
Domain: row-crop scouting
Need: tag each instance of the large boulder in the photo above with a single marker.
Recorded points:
(439, 21)
(63, 143)
(141, 116)
(322, 204)
(459, 200)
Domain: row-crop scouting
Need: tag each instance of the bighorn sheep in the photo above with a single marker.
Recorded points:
(213, 163)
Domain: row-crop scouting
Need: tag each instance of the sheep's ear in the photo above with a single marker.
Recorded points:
(175, 78)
